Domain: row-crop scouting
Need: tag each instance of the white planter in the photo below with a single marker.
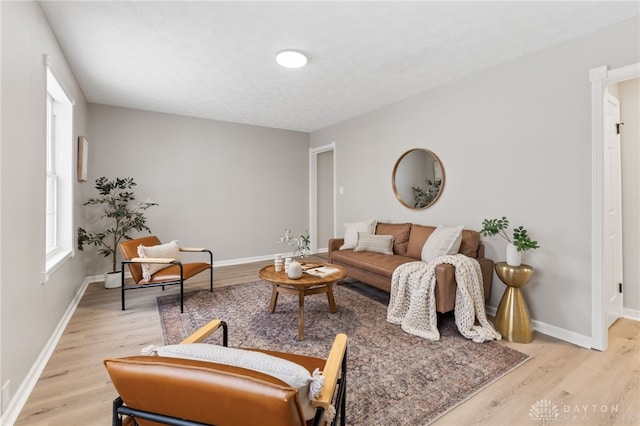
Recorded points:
(514, 257)
(112, 279)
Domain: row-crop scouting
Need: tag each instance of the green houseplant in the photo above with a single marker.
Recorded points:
(120, 213)
(520, 239)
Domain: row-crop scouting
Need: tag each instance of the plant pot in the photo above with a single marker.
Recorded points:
(514, 257)
(113, 279)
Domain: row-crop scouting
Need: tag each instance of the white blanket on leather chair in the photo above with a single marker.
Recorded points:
(413, 305)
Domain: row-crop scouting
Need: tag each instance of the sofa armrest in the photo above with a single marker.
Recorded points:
(335, 244)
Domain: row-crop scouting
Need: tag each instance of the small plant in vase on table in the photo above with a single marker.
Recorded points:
(519, 242)
(300, 246)
(300, 243)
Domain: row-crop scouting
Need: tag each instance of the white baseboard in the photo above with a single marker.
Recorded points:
(632, 314)
(244, 260)
(23, 392)
(553, 331)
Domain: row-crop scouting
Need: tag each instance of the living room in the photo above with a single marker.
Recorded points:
(234, 187)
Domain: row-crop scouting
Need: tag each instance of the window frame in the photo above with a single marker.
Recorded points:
(58, 242)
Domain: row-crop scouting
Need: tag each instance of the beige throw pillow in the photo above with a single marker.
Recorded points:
(444, 240)
(351, 232)
(375, 243)
(168, 251)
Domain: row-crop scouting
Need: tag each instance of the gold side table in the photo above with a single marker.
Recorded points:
(513, 320)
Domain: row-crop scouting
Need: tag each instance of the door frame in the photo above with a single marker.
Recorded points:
(600, 78)
(313, 192)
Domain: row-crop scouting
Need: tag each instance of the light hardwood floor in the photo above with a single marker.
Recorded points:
(586, 387)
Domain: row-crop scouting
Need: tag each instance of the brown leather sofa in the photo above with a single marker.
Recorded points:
(376, 269)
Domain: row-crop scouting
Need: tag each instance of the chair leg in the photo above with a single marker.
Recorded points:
(116, 420)
(122, 286)
(181, 296)
(211, 279)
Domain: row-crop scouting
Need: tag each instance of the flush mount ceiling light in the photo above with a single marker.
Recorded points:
(291, 58)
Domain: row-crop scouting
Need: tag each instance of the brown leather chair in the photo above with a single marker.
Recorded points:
(175, 391)
(175, 274)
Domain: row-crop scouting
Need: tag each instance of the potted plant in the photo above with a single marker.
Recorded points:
(123, 216)
(519, 242)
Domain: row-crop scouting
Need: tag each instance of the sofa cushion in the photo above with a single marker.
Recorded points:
(400, 232)
(470, 243)
(382, 244)
(380, 264)
(417, 238)
(444, 240)
(351, 232)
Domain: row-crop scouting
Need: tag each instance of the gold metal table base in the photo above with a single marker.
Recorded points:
(513, 320)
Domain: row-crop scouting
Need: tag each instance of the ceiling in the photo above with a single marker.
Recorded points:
(215, 59)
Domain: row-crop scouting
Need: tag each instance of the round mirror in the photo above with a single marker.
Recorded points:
(418, 178)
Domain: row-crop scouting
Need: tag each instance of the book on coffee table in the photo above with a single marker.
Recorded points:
(306, 266)
(322, 271)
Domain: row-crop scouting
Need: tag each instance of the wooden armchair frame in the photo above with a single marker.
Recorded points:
(333, 393)
(176, 274)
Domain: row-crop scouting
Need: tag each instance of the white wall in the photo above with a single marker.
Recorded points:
(514, 141)
(29, 309)
(230, 187)
(629, 96)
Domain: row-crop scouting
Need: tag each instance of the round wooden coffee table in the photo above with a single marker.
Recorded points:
(303, 286)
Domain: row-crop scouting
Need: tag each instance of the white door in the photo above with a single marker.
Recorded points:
(325, 200)
(322, 208)
(612, 212)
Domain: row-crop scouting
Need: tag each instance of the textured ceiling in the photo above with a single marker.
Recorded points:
(216, 59)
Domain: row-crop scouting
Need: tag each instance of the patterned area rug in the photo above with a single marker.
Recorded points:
(393, 378)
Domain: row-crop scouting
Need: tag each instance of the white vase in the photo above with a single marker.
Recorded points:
(112, 279)
(514, 257)
(295, 270)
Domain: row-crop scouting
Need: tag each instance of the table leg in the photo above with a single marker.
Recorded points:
(274, 298)
(513, 320)
(332, 303)
(301, 314)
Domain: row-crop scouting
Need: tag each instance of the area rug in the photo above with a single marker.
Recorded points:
(393, 378)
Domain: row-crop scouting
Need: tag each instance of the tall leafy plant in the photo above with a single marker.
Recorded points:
(121, 214)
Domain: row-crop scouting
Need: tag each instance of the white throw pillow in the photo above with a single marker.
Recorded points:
(167, 251)
(293, 374)
(351, 232)
(444, 240)
(375, 243)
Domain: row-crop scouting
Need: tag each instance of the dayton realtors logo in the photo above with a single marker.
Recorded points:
(546, 411)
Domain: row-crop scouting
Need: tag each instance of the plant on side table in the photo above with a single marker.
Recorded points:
(519, 242)
(123, 215)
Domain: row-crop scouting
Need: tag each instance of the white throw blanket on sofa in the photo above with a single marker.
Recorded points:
(413, 305)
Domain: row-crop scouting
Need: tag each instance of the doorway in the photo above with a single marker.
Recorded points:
(322, 199)
(600, 78)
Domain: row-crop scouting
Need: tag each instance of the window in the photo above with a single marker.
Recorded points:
(59, 175)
